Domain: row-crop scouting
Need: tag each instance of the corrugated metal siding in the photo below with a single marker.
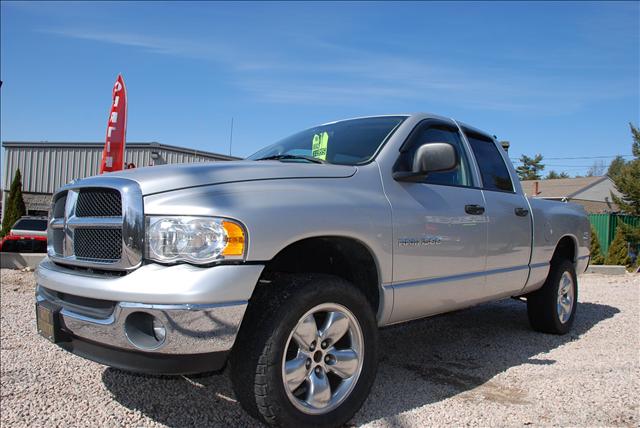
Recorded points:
(606, 225)
(601, 222)
(45, 169)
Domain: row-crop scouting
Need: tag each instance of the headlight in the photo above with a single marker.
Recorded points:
(198, 240)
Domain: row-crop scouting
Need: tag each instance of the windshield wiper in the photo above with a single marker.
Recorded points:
(281, 157)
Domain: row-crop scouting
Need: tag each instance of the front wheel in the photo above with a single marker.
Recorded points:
(307, 352)
(552, 308)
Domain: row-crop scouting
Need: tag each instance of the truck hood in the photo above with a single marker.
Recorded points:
(163, 178)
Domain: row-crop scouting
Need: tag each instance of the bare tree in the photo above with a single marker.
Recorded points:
(597, 169)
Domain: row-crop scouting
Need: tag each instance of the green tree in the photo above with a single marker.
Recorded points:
(635, 146)
(615, 166)
(618, 250)
(627, 180)
(552, 175)
(596, 253)
(631, 233)
(15, 204)
(530, 168)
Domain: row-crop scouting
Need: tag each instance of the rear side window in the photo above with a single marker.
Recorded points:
(495, 175)
(31, 224)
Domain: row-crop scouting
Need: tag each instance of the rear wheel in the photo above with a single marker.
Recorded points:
(552, 308)
(307, 352)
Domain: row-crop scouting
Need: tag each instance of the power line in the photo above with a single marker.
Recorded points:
(573, 165)
(579, 157)
(563, 165)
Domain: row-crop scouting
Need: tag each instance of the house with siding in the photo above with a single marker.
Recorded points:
(593, 193)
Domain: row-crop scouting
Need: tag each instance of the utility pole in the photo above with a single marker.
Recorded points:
(231, 137)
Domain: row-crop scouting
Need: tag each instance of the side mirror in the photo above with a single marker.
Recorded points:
(430, 157)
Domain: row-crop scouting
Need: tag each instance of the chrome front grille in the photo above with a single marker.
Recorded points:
(58, 241)
(97, 223)
(98, 244)
(99, 203)
(58, 206)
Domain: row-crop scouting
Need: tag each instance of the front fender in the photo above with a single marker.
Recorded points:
(279, 212)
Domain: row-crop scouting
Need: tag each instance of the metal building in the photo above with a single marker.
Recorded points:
(46, 166)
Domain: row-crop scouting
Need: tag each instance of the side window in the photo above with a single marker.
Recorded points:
(495, 175)
(460, 176)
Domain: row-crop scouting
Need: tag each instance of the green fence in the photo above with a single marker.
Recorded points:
(606, 224)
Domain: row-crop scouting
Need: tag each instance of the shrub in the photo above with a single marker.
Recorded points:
(619, 250)
(596, 253)
(15, 204)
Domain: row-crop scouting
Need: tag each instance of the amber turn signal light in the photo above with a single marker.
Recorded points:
(235, 239)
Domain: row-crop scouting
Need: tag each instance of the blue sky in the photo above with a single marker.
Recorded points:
(561, 79)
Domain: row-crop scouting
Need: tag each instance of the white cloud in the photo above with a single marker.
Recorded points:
(326, 73)
(154, 44)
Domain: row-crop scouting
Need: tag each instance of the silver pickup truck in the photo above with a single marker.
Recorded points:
(286, 264)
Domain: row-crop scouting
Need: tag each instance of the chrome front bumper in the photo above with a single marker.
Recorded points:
(197, 310)
(188, 329)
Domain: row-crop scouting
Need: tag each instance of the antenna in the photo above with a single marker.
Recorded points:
(231, 137)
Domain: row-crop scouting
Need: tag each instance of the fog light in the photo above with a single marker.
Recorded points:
(144, 331)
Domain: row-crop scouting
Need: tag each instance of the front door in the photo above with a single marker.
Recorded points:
(440, 232)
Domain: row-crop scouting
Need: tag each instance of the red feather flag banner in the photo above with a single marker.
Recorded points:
(113, 153)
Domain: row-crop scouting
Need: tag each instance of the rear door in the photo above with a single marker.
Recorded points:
(509, 220)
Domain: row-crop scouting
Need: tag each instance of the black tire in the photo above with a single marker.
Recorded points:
(542, 304)
(256, 359)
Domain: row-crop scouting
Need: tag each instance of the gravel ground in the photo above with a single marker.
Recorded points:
(479, 367)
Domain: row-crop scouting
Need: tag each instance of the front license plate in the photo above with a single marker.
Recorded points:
(47, 320)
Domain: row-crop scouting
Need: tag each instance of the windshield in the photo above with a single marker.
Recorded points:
(348, 142)
(31, 224)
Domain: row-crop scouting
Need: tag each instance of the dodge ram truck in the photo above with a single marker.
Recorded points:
(285, 264)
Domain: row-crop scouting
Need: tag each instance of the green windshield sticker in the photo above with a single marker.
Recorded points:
(319, 146)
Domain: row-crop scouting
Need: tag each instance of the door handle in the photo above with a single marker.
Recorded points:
(521, 212)
(474, 209)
